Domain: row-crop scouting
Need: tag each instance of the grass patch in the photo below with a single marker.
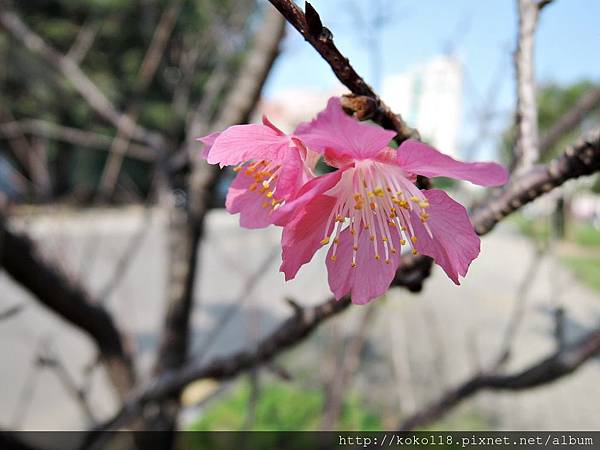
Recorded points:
(585, 268)
(282, 407)
(586, 235)
(538, 229)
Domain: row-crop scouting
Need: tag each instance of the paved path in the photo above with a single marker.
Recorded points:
(436, 339)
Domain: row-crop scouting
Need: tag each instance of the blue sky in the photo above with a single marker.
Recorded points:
(481, 32)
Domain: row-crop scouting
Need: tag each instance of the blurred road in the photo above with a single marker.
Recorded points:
(418, 346)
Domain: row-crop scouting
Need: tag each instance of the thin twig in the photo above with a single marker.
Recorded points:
(290, 333)
(71, 71)
(552, 368)
(309, 25)
(75, 136)
(568, 122)
(146, 72)
(21, 259)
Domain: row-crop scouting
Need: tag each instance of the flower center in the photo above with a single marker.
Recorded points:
(378, 199)
(265, 174)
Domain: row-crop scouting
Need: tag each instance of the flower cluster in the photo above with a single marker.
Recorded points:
(367, 212)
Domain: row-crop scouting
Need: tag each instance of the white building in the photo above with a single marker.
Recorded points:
(428, 97)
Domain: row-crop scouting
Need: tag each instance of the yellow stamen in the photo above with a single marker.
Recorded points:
(325, 240)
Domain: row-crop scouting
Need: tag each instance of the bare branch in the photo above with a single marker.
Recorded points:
(84, 40)
(145, 74)
(21, 260)
(186, 224)
(75, 136)
(290, 333)
(552, 368)
(311, 28)
(543, 3)
(583, 158)
(11, 311)
(73, 73)
(345, 366)
(571, 119)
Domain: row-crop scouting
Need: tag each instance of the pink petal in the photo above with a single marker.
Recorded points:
(333, 129)
(247, 203)
(267, 122)
(418, 158)
(292, 175)
(242, 143)
(454, 244)
(302, 235)
(208, 142)
(309, 191)
(370, 278)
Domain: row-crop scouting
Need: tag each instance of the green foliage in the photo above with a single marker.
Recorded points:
(281, 406)
(582, 254)
(554, 101)
(30, 89)
(585, 268)
(537, 228)
(586, 235)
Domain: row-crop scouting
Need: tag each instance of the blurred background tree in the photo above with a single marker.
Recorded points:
(110, 41)
(581, 99)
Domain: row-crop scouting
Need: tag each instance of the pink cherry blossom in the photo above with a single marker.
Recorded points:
(270, 165)
(369, 210)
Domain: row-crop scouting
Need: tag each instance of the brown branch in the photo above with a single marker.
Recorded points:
(346, 365)
(71, 71)
(552, 368)
(75, 136)
(568, 122)
(186, 224)
(11, 311)
(526, 121)
(84, 40)
(22, 261)
(582, 158)
(543, 3)
(290, 333)
(146, 72)
(310, 27)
